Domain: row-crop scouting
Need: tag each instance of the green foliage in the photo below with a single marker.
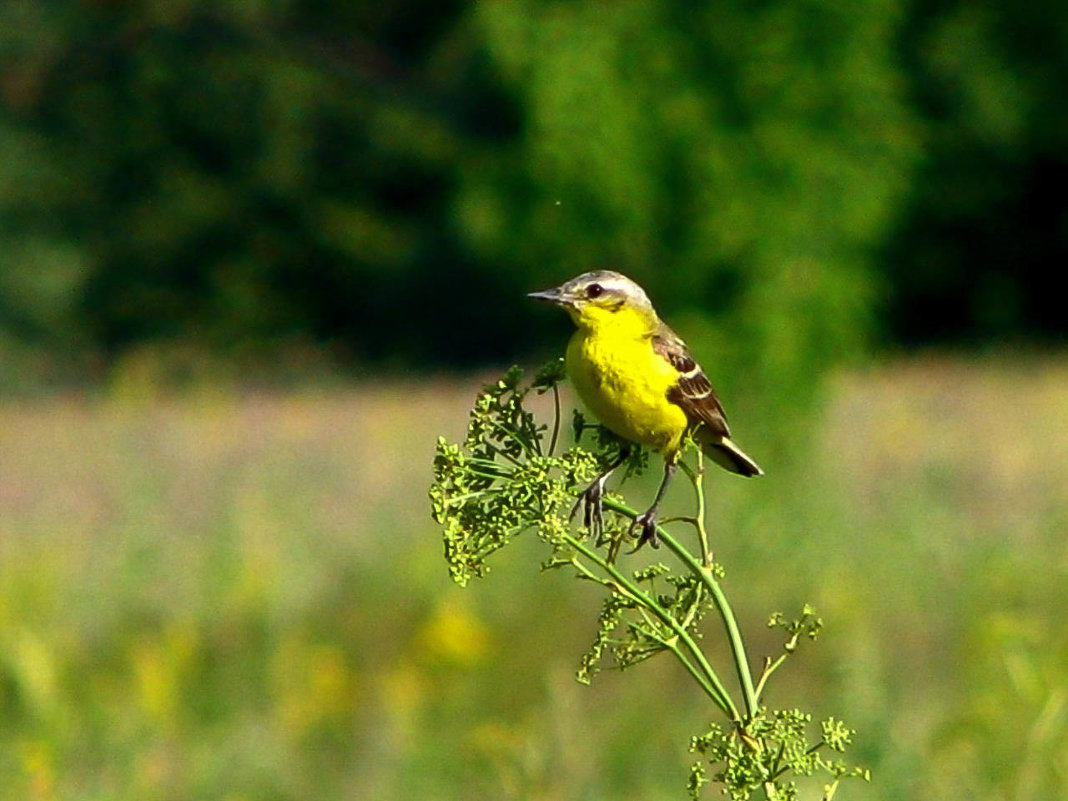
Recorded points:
(772, 746)
(242, 176)
(501, 482)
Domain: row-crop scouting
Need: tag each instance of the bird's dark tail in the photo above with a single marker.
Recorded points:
(730, 457)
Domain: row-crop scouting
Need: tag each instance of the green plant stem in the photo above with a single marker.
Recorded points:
(734, 635)
(769, 668)
(706, 677)
(699, 519)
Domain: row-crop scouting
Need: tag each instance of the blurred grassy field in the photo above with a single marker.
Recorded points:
(240, 596)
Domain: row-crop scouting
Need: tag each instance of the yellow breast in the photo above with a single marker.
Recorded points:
(624, 383)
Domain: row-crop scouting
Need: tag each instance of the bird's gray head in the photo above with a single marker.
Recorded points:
(596, 293)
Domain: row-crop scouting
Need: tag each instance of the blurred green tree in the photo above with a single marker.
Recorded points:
(386, 181)
(230, 174)
(357, 174)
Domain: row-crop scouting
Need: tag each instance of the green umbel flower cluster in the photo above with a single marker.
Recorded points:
(503, 480)
(500, 482)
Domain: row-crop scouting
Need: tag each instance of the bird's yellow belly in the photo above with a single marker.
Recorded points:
(625, 385)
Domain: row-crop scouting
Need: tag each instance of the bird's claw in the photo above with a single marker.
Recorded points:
(646, 524)
(592, 507)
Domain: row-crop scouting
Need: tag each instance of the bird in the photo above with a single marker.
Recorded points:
(640, 380)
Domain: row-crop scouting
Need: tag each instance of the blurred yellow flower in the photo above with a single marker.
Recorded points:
(314, 686)
(453, 635)
(161, 664)
(33, 664)
(38, 765)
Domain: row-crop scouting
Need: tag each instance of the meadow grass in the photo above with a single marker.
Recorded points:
(225, 595)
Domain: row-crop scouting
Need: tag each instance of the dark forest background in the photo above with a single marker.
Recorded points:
(379, 184)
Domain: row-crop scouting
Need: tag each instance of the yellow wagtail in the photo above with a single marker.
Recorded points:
(638, 378)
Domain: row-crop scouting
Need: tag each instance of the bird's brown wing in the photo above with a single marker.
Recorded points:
(693, 393)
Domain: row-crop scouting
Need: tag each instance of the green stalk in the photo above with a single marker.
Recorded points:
(699, 519)
(734, 635)
(769, 668)
(713, 686)
(702, 680)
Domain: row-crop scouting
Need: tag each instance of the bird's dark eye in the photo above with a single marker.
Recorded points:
(594, 291)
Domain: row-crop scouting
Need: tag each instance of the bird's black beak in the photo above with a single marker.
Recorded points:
(553, 295)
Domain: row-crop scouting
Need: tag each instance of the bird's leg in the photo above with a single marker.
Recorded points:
(647, 521)
(590, 500)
